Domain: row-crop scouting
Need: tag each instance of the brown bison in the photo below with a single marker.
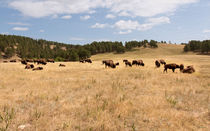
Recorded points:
(5, 61)
(24, 62)
(88, 60)
(50, 60)
(157, 63)
(41, 61)
(38, 68)
(127, 63)
(162, 62)
(62, 65)
(138, 62)
(189, 69)
(29, 60)
(172, 66)
(29, 66)
(110, 63)
(13, 61)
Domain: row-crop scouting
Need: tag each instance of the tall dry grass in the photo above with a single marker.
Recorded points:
(90, 97)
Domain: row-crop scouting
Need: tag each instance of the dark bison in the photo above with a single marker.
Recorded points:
(172, 66)
(88, 60)
(29, 60)
(24, 62)
(29, 66)
(62, 65)
(13, 61)
(51, 60)
(189, 69)
(157, 63)
(138, 62)
(38, 68)
(41, 61)
(127, 63)
(82, 61)
(5, 61)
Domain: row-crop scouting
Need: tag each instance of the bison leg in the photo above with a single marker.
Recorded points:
(173, 70)
(165, 70)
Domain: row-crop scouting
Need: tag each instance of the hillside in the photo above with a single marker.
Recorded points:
(83, 96)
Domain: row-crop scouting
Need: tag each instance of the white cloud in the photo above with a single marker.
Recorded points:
(98, 25)
(126, 25)
(20, 28)
(42, 31)
(86, 17)
(125, 32)
(66, 17)
(18, 23)
(110, 16)
(206, 31)
(132, 8)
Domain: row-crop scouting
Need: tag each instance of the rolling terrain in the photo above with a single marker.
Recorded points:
(83, 96)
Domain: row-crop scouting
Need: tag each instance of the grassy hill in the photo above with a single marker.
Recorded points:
(85, 96)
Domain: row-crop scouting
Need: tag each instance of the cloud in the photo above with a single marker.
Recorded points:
(66, 17)
(20, 29)
(131, 8)
(125, 32)
(42, 31)
(135, 25)
(98, 25)
(19, 23)
(110, 16)
(206, 31)
(86, 17)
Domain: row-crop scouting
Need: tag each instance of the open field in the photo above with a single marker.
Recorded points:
(90, 97)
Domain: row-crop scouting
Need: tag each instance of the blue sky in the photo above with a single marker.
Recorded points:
(84, 21)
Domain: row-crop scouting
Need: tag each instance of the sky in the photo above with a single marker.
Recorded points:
(85, 21)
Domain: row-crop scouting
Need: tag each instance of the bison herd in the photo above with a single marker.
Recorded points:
(108, 63)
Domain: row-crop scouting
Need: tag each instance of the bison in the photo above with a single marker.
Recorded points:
(172, 66)
(189, 69)
(13, 61)
(110, 63)
(127, 63)
(24, 62)
(82, 61)
(88, 60)
(38, 68)
(62, 65)
(50, 60)
(157, 63)
(41, 61)
(138, 62)
(162, 62)
(29, 66)
(5, 61)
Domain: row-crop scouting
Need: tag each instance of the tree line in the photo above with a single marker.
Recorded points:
(198, 46)
(26, 47)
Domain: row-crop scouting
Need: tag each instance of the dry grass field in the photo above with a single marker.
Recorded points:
(89, 97)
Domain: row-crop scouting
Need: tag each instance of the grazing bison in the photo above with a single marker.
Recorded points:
(62, 65)
(29, 66)
(50, 60)
(189, 69)
(127, 63)
(88, 60)
(171, 66)
(125, 60)
(157, 63)
(162, 62)
(29, 60)
(82, 61)
(110, 63)
(41, 61)
(138, 62)
(24, 62)
(5, 61)
(38, 68)
(13, 61)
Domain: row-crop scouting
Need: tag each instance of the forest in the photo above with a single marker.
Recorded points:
(25, 47)
(198, 46)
